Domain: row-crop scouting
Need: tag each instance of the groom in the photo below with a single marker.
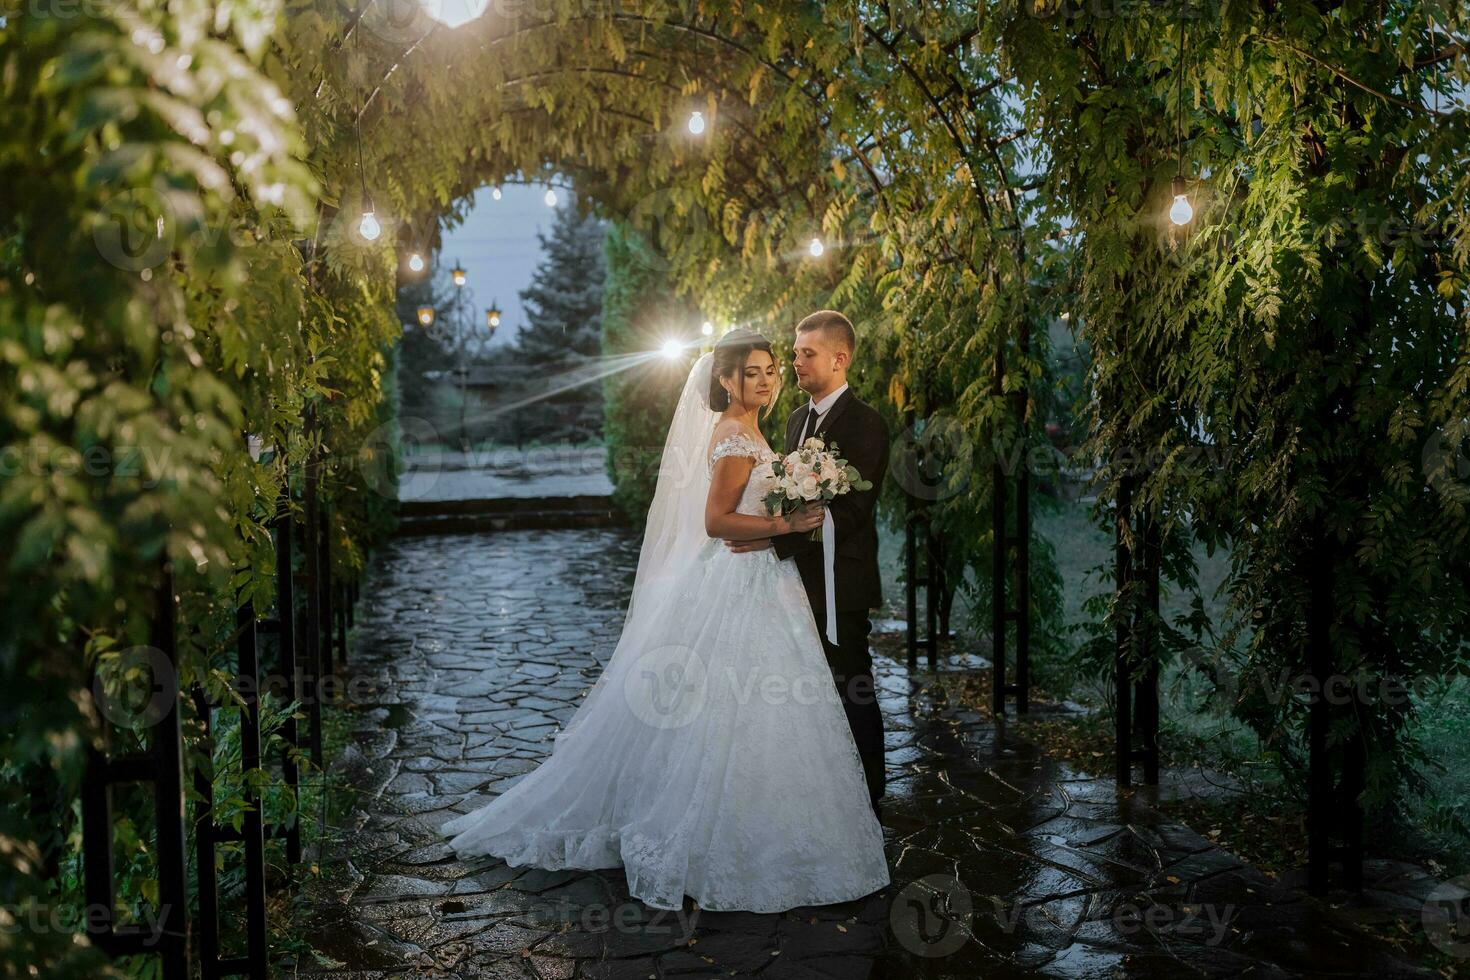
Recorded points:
(824, 348)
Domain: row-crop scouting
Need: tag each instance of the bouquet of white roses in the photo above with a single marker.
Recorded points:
(812, 472)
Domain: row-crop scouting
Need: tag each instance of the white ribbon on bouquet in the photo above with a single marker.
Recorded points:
(829, 570)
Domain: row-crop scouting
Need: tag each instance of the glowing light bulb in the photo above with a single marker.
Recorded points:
(551, 197)
(1181, 212)
(369, 227)
(672, 349)
(416, 262)
(816, 248)
(696, 123)
(455, 13)
(708, 329)
(495, 193)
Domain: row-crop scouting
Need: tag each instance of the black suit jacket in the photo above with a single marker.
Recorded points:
(862, 439)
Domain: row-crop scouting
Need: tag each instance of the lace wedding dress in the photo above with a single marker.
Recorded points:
(712, 757)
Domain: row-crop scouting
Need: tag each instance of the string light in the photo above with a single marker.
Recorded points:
(495, 193)
(416, 262)
(550, 197)
(696, 122)
(1181, 212)
(708, 329)
(426, 316)
(672, 349)
(816, 248)
(368, 227)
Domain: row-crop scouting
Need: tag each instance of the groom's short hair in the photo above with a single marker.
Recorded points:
(833, 324)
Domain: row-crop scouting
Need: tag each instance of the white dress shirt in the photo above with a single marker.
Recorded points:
(817, 409)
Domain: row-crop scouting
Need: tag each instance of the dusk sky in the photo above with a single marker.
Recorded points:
(498, 247)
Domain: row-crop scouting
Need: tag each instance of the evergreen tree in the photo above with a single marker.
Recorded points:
(564, 301)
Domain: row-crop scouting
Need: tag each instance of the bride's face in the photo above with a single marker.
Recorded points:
(754, 386)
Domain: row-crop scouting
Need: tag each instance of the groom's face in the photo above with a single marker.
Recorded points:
(819, 360)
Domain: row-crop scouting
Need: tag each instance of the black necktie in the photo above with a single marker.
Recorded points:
(811, 423)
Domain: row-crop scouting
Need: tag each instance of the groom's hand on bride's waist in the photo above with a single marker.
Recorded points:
(758, 544)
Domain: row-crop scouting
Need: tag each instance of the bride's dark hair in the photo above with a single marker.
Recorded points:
(730, 355)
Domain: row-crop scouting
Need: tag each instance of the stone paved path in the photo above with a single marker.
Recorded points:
(1005, 863)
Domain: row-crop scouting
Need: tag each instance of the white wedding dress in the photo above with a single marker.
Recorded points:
(712, 757)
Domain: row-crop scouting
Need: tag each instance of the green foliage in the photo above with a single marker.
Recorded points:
(638, 402)
(1286, 378)
(154, 310)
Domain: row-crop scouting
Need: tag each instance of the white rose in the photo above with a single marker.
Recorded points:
(809, 487)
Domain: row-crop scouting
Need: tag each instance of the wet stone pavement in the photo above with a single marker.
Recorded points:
(469, 652)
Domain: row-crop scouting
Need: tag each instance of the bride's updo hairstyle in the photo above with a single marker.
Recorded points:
(730, 355)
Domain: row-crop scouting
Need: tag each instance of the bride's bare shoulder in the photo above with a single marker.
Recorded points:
(726, 428)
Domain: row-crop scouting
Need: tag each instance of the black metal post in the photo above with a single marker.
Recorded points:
(284, 625)
(325, 588)
(1124, 625)
(931, 606)
(1319, 771)
(998, 598)
(1146, 693)
(1334, 805)
(1012, 551)
(162, 764)
(312, 627)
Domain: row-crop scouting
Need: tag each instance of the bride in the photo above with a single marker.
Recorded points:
(712, 757)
